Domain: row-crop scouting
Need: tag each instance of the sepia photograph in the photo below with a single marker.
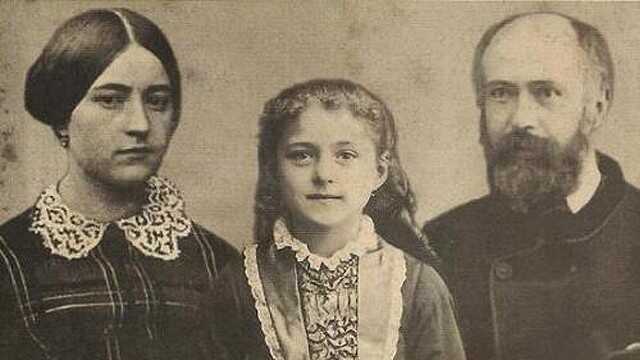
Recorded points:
(285, 180)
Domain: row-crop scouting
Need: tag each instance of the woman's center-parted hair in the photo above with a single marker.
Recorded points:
(80, 50)
(394, 202)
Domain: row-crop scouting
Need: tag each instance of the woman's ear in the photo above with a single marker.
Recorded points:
(62, 133)
(383, 169)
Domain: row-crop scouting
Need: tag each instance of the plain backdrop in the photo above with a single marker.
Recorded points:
(234, 56)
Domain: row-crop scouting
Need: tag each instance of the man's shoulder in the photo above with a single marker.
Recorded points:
(632, 197)
(471, 214)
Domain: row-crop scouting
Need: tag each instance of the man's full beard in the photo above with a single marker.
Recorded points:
(526, 169)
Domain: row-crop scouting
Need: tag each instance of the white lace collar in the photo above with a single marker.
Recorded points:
(367, 239)
(154, 231)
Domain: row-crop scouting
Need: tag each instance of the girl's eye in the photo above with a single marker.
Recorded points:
(299, 157)
(347, 155)
(110, 101)
(158, 102)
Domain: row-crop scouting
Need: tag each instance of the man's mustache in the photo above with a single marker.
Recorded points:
(519, 141)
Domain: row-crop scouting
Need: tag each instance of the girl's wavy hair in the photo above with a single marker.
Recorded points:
(392, 208)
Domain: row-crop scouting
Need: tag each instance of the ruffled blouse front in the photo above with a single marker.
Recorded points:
(328, 289)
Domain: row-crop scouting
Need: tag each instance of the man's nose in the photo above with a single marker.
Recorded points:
(137, 120)
(324, 171)
(526, 114)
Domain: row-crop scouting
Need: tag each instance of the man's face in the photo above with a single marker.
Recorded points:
(534, 75)
(534, 101)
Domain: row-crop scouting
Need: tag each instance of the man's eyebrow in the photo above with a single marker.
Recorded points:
(542, 83)
(113, 86)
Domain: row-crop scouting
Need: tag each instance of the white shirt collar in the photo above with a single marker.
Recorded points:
(588, 182)
(367, 239)
(154, 231)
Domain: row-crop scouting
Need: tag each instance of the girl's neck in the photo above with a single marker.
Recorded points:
(100, 201)
(325, 240)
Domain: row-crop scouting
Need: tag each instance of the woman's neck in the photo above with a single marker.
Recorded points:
(325, 240)
(100, 201)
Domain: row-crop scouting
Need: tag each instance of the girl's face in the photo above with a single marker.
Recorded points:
(120, 130)
(328, 167)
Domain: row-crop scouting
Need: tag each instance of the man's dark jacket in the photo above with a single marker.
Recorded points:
(549, 284)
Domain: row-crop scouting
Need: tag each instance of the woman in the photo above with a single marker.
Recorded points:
(106, 264)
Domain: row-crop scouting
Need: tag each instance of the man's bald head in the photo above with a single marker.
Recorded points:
(547, 32)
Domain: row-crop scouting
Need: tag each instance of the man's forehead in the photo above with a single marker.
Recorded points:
(533, 47)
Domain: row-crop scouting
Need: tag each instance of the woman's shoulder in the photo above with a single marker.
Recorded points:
(15, 233)
(220, 248)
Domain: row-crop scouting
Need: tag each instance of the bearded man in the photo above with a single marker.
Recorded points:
(547, 266)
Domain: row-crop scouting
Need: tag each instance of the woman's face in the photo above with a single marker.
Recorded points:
(120, 130)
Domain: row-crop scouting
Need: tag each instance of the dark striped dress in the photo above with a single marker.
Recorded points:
(73, 288)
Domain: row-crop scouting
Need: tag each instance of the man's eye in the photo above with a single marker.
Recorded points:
(109, 101)
(546, 92)
(501, 93)
(158, 102)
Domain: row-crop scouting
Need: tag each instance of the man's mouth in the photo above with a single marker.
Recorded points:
(323, 197)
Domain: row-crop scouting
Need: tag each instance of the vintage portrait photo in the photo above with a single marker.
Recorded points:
(322, 180)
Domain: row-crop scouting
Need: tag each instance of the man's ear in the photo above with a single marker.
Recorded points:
(383, 169)
(596, 109)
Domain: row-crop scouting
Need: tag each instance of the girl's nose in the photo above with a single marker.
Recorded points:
(323, 172)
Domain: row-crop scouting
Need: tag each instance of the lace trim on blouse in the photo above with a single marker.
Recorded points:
(367, 239)
(266, 323)
(154, 231)
(398, 277)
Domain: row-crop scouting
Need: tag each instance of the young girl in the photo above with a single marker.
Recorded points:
(321, 283)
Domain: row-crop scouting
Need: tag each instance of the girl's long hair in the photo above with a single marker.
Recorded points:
(392, 208)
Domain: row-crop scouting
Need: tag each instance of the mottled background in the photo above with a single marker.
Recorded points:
(236, 55)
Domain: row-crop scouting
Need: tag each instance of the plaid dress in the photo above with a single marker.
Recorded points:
(73, 289)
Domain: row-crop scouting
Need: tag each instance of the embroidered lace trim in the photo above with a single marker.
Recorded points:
(266, 323)
(398, 278)
(367, 239)
(329, 300)
(154, 231)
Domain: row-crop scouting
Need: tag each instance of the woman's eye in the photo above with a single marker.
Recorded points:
(110, 101)
(299, 157)
(158, 102)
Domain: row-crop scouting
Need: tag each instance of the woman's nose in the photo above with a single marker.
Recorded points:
(137, 121)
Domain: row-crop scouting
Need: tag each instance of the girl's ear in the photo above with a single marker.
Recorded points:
(383, 169)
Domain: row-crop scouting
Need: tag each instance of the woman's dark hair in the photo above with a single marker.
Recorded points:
(393, 206)
(80, 50)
